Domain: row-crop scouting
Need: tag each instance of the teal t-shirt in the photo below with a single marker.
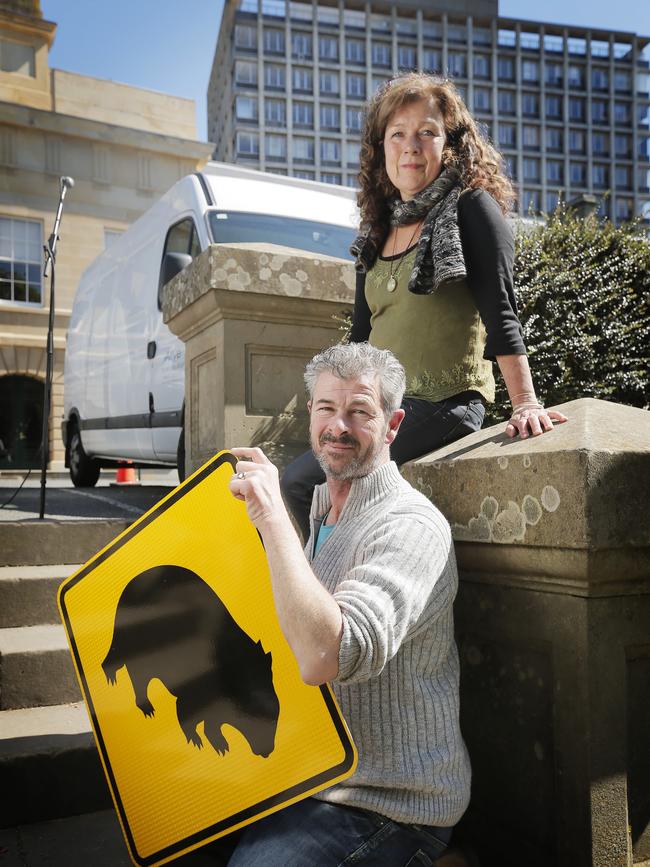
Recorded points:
(323, 533)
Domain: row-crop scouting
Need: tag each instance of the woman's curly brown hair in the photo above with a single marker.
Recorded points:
(478, 162)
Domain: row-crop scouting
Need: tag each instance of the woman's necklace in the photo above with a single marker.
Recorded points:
(391, 285)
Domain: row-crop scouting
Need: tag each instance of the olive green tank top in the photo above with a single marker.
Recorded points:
(439, 338)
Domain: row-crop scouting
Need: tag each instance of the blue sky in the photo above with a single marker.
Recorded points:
(167, 45)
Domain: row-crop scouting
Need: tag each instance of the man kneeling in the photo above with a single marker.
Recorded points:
(368, 607)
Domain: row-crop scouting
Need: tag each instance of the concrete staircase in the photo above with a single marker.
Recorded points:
(48, 759)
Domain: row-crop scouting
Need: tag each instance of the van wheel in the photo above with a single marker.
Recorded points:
(84, 471)
(180, 456)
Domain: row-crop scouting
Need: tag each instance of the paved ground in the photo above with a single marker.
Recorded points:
(63, 501)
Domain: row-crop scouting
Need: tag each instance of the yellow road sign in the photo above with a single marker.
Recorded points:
(202, 721)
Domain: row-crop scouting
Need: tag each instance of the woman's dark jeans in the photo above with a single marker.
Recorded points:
(427, 426)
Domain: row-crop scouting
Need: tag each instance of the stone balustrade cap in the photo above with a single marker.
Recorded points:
(583, 485)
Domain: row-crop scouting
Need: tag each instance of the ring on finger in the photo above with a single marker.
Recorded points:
(241, 475)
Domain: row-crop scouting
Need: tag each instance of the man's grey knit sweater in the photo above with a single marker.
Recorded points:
(391, 567)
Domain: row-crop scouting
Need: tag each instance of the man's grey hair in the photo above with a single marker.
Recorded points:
(352, 360)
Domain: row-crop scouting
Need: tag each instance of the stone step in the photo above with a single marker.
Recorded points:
(49, 764)
(28, 594)
(50, 541)
(36, 667)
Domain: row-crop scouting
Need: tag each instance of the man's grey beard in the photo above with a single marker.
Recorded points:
(356, 469)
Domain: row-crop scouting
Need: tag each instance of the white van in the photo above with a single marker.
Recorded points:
(124, 369)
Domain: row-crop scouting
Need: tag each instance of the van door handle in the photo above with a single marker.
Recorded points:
(151, 349)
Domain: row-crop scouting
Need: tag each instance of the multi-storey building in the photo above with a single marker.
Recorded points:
(567, 106)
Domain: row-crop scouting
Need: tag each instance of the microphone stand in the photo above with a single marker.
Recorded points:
(50, 258)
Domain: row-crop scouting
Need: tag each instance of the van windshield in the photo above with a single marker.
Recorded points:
(239, 227)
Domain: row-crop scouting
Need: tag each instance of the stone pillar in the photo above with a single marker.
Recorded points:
(251, 316)
(553, 625)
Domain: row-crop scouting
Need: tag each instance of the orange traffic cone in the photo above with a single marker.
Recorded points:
(126, 474)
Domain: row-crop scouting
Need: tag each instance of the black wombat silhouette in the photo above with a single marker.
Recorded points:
(171, 625)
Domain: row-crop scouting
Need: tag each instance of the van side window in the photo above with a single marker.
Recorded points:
(181, 238)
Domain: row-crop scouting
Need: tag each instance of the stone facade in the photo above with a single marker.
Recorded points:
(124, 147)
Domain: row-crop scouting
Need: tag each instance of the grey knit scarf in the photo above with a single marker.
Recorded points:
(439, 256)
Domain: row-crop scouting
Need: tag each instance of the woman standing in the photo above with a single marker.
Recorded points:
(434, 273)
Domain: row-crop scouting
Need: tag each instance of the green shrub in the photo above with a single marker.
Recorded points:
(583, 290)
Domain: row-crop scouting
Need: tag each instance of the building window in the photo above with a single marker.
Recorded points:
(21, 244)
(17, 58)
(275, 112)
(431, 60)
(555, 171)
(275, 147)
(531, 169)
(330, 152)
(554, 74)
(245, 37)
(457, 64)
(577, 109)
(352, 155)
(600, 176)
(599, 79)
(329, 178)
(248, 144)
(330, 117)
(328, 48)
(353, 119)
(554, 139)
(511, 167)
(622, 113)
(355, 51)
(457, 33)
(578, 174)
(303, 80)
(329, 82)
(623, 82)
(600, 144)
(301, 46)
(624, 209)
(623, 177)
(506, 69)
(552, 201)
(531, 137)
(246, 73)
(599, 111)
(530, 202)
(274, 77)
(274, 41)
(355, 86)
(304, 176)
(482, 99)
(530, 70)
(246, 108)
(530, 105)
(554, 107)
(303, 150)
(577, 77)
(623, 146)
(506, 102)
(577, 141)
(507, 135)
(303, 114)
(482, 66)
(406, 57)
(381, 54)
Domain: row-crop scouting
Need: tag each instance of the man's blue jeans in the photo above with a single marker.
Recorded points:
(314, 833)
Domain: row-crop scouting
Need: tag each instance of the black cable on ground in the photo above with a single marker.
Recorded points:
(18, 489)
